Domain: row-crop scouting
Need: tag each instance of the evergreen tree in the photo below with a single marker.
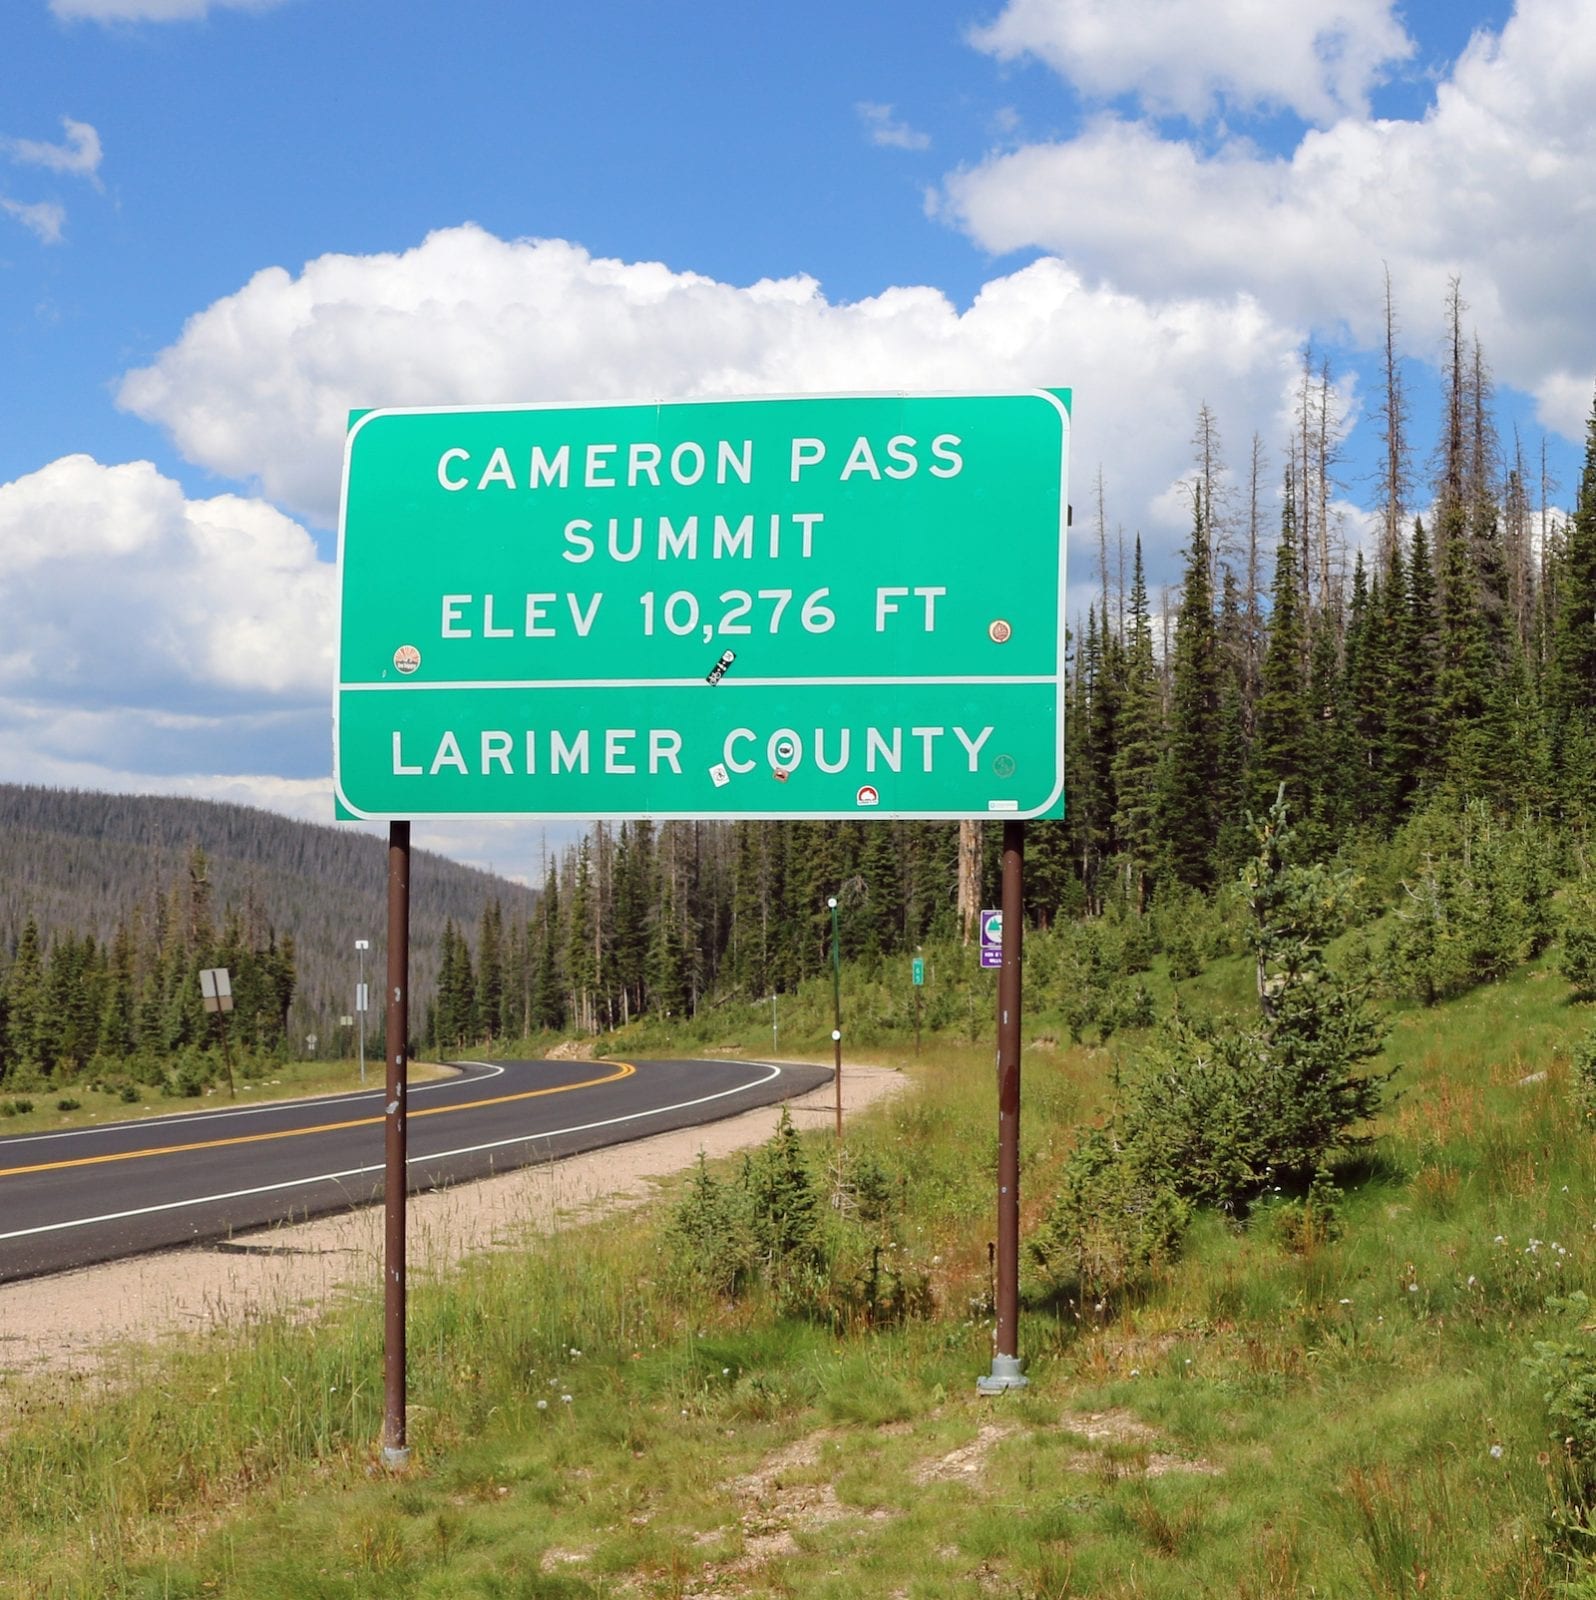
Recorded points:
(27, 1021)
(1140, 747)
(1189, 794)
(1571, 691)
(490, 973)
(548, 989)
(1280, 745)
(1410, 722)
(1466, 674)
(1234, 755)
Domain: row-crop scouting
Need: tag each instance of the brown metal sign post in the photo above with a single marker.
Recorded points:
(1007, 1368)
(395, 1452)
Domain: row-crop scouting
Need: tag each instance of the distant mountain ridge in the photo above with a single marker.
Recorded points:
(80, 861)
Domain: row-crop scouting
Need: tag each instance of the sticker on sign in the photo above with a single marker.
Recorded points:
(991, 938)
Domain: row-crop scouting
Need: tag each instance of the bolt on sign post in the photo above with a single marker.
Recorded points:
(832, 606)
(216, 993)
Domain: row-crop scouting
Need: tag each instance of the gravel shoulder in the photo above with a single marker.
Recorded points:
(71, 1323)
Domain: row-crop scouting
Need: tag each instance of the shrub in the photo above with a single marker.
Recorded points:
(1113, 1220)
(1229, 1114)
(1577, 959)
(67, 1103)
(1567, 1369)
(710, 1236)
(1583, 1075)
(783, 1205)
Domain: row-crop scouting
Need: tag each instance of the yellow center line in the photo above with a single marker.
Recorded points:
(623, 1069)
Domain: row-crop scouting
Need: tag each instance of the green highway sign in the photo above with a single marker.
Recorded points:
(918, 970)
(828, 606)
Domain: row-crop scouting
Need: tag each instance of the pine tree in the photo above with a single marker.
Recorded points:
(1466, 673)
(1571, 689)
(490, 973)
(1234, 755)
(1140, 747)
(1410, 722)
(548, 989)
(1189, 810)
(27, 1022)
(1280, 745)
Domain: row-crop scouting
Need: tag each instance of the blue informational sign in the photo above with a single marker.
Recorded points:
(991, 938)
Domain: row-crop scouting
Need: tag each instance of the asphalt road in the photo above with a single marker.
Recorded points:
(91, 1194)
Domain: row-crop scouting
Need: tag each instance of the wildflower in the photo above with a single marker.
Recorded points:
(1413, 1288)
(543, 1405)
(1496, 1452)
(566, 1399)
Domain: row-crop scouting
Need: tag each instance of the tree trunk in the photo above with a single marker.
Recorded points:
(969, 877)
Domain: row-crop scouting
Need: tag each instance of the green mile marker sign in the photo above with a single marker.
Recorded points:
(840, 606)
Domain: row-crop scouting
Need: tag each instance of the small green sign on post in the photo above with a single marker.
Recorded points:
(831, 606)
(919, 971)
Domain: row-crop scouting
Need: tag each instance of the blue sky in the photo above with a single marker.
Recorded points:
(222, 225)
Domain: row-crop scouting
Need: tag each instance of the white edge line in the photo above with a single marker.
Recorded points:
(773, 1072)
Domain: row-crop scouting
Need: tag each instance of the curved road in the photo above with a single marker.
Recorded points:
(89, 1194)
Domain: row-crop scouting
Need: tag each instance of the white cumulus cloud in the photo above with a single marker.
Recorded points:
(119, 592)
(890, 131)
(78, 154)
(1318, 58)
(260, 384)
(151, 10)
(1491, 185)
(45, 220)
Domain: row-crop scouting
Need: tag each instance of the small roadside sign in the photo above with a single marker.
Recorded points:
(216, 989)
(919, 970)
(991, 938)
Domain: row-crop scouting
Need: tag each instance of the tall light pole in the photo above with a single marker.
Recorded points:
(836, 1004)
(361, 947)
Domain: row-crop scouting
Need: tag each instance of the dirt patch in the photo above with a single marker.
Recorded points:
(71, 1323)
(964, 1462)
(571, 1050)
(1124, 1427)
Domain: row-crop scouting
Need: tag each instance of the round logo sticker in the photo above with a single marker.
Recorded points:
(1003, 766)
(999, 632)
(868, 795)
(785, 749)
(406, 659)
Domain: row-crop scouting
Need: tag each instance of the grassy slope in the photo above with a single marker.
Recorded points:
(1354, 1421)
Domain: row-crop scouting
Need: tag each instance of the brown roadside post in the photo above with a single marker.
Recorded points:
(1008, 1371)
(395, 1452)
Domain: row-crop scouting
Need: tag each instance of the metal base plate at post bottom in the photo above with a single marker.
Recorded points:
(396, 1457)
(1007, 1373)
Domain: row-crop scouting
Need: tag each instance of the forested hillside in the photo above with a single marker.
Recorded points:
(90, 883)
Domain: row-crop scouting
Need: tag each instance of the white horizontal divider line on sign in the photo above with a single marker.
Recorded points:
(687, 683)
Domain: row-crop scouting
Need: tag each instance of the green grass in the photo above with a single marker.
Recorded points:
(1357, 1420)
